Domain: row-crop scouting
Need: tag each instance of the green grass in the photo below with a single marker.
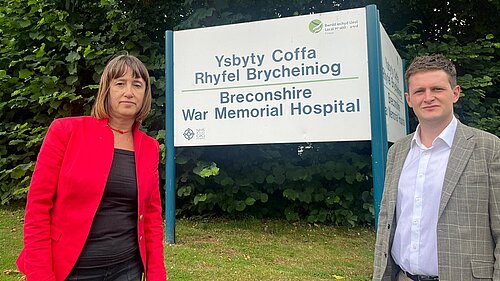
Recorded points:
(11, 240)
(249, 249)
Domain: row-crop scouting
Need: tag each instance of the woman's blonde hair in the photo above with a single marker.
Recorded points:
(116, 68)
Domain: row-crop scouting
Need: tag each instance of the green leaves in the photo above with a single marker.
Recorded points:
(250, 201)
(70, 80)
(88, 50)
(200, 198)
(184, 191)
(20, 170)
(206, 170)
(41, 51)
(324, 184)
(72, 56)
(24, 73)
(51, 60)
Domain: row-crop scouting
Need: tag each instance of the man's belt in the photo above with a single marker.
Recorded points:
(421, 277)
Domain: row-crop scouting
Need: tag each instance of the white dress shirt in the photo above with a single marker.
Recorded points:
(414, 247)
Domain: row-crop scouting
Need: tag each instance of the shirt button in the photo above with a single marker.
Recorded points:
(418, 201)
(140, 238)
(140, 217)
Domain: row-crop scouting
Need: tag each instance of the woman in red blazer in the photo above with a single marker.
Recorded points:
(93, 210)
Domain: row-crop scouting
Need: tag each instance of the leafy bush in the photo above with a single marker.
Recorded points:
(51, 58)
(321, 182)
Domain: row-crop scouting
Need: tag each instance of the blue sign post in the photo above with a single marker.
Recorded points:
(377, 105)
(170, 190)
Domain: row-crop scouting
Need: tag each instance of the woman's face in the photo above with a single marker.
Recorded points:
(126, 95)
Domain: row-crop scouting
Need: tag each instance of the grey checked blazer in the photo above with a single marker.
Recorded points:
(468, 229)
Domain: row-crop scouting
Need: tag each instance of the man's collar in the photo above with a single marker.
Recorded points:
(447, 135)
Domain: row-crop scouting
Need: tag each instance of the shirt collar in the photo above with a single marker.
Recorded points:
(447, 135)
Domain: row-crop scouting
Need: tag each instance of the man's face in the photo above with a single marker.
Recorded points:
(432, 97)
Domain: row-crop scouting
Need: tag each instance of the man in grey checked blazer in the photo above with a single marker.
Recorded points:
(454, 235)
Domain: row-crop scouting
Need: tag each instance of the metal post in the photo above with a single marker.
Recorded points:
(377, 105)
(170, 192)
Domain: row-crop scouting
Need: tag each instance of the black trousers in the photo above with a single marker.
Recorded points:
(126, 271)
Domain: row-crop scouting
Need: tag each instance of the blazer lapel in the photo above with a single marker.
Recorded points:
(461, 150)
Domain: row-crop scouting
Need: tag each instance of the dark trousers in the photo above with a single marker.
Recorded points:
(126, 271)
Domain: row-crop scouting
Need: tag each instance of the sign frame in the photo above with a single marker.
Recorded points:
(378, 121)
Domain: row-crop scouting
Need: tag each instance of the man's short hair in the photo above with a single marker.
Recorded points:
(430, 63)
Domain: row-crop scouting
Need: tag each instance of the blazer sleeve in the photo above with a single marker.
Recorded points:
(153, 230)
(36, 261)
(494, 204)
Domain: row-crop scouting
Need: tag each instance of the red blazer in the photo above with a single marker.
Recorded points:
(66, 189)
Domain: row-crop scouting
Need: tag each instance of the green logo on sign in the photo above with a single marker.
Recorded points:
(315, 26)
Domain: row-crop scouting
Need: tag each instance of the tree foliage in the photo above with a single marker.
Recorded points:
(51, 57)
(204, 13)
(465, 31)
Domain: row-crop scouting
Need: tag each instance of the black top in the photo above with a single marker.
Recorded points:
(113, 235)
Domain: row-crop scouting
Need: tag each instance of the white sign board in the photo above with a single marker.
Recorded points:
(298, 79)
(395, 107)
